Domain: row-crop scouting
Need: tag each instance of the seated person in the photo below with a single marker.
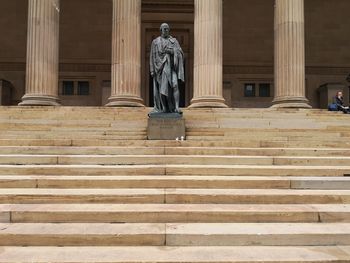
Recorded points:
(339, 101)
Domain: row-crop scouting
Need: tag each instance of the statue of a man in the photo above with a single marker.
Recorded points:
(166, 66)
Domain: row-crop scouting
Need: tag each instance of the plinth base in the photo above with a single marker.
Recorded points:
(294, 103)
(165, 126)
(125, 101)
(208, 102)
(36, 100)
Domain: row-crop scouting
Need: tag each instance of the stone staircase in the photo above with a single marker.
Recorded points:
(255, 185)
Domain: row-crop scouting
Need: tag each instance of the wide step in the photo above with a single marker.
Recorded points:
(175, 196)
(253, 254)
(172, 213)
(169, 159)
(175, 234)
(169, 148)
(228, 170)
(166, 181)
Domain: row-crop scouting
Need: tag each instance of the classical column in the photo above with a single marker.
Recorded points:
(126, 54)
(289, 55)
(42, 53)
(208, 51)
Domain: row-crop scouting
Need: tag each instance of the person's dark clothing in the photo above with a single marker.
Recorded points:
(340, 104)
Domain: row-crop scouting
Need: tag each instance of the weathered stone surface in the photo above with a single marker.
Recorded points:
(266, 185)
(176, 213)
(316, 254)
(82, 234)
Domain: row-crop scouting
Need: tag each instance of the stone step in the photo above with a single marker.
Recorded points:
(67, 150)
(276, 132)
(282, 141)
(164, 149)
(197, 143)
(321, 152)
(271, 135)
(253, 254)
(82, 234)
(145, 160)
(114, 140)
(257, 170)
(42, 196)
(80, 129)
(105, 127)
(262, 234)
(256, 196)
(94, 159)
(77, 137)
(163, 181)
(174, 196)
(207, 170)
(82, 170)
(223, 143)
(173, 213)
(223, 234)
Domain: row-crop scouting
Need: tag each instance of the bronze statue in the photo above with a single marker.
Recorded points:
(166, 66)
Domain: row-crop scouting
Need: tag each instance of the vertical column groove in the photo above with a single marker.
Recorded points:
(126, 54)
(290, 54)
(42, 53)
(208, 52)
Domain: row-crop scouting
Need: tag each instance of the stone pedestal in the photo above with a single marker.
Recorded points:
(289, 55)
(126, 54)
(328, 91)
(166, 127)
(208, 52)
(42, 53)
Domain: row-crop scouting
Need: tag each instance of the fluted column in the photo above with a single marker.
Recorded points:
(208, 51)
(126, 54)
(42, 53)
(290, 55)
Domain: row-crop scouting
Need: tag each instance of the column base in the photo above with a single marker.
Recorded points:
(125, 101)
(291, 102)
(38, 100)
(208, 102)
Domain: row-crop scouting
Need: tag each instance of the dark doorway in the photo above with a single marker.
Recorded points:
(6, 90)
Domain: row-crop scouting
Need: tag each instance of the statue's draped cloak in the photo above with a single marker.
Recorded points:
(167, 68)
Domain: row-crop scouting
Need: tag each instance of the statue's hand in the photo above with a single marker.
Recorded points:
(152, 74)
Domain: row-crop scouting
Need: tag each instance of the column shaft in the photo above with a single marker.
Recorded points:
(290, 54)
(208, 52)
(126, 54)
(42, 53)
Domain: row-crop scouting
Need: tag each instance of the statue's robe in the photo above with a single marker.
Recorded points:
(167, 68)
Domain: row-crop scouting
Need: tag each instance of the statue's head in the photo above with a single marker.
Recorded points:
(165, 30)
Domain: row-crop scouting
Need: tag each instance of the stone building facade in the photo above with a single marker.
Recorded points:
(239, 53)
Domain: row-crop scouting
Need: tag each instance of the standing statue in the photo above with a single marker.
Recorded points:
(166, 66)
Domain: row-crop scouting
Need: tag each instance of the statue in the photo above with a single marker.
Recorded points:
(166, 66)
